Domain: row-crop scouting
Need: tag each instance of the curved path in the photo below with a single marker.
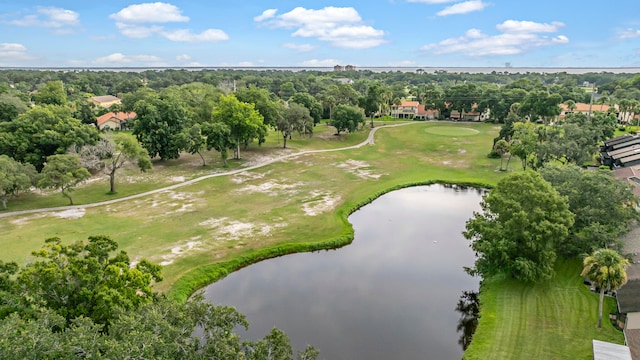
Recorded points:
(368, 141)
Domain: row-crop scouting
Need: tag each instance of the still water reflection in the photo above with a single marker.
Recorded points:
(391, 294)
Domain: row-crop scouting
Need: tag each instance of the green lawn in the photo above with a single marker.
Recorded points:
(555, 320)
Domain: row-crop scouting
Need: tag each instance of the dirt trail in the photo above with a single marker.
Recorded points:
(368, 141)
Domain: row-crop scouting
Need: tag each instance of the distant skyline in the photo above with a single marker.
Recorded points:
(320, 33)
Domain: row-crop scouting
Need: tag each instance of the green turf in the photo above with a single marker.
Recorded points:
(553, 320)
(451, 131)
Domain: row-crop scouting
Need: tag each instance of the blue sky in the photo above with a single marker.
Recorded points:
(414, 33)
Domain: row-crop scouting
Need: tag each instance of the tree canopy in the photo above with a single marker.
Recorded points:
(604, 207)
(87, 300)
(63, 172)
(516, 233)
(244, 122)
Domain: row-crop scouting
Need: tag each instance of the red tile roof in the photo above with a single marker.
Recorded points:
(116, 117)
(582, 107)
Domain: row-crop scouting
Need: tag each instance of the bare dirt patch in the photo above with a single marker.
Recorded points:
(358, 168)
(247, 176)
(180, 250)
(324, 202)
(272, 188)
(70, 214)
(226, 230)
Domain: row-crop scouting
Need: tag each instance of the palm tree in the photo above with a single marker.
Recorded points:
(606, 268)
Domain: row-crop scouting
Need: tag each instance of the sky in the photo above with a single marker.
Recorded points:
(322, 33)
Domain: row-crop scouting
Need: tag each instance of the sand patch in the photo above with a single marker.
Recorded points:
(180, 250)
(324, 203)
(70, 214)
(177, 179)
(359, 169)
(246, 176)
(271, 188)
(225, 229)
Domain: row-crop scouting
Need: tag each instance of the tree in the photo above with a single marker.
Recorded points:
(462, 97)
(44, 131)
(196, 141)
(261, 99)
(244, 121)
(604, 207)
(85, 279)
(372, 102)
(158, 126)
(524, 141)
(540, 104)
(218, 138)
(86, 300)
(516, 232)
(125, 148)
(502, 148)
(52, 94)
(346, 118)
(308, 101)
(14, 177)
(63, 172)
(607, 270)
(293, 118)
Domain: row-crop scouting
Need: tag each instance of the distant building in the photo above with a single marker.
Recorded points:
(343, 80)
(349, 67)
(115, 120)
(338, 68)
(105, 101)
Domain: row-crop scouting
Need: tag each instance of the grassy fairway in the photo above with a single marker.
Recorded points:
(303, 200)
(556, 320)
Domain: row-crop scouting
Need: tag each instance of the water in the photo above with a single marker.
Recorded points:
(391, 294)
(376, 69)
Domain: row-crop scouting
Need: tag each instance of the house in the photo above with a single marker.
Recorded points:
(424, 114)
(404, 110)
(105, 101)
(472, 115)
(115, 120)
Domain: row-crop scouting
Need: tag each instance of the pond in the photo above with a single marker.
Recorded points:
(391, 294)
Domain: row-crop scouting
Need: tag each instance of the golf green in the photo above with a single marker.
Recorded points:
(451, 131)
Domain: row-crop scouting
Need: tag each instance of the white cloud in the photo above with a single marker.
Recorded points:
(136, 31)
(319, 63)
(341, 27)
(120, 59)
(183, 57)
(157, 12)
(267, 14)
(514, 26)
(50, 17)
(516, 37)
(431, 1)
(462, 8)
(185, 35)
(14, 52)
(299, 47)
(141, 21)
(629, 34)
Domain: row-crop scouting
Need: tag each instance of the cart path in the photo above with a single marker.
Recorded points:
(368, 141)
